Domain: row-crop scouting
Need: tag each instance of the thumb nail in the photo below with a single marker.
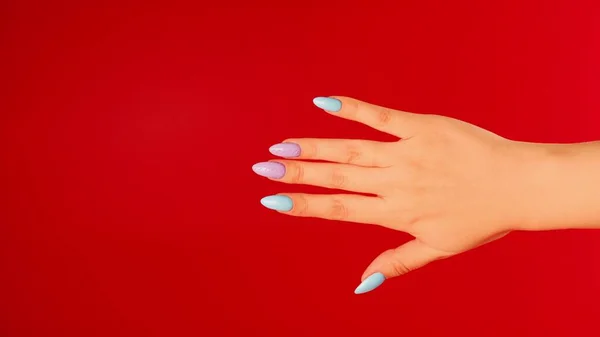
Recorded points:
(370, 283)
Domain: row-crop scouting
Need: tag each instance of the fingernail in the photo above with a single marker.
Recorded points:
(370, 283)
(328, 103)
(269, 169)
(277, 202)
(286, 150)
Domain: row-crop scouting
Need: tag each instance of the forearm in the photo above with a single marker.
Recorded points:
(562, 187)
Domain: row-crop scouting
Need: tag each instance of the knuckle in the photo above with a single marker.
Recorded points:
(384, 116)
(338, 179)
(353, 154)
(300, 206)
(400, 268)
(296, 173)
(313, 150)
(339, 210)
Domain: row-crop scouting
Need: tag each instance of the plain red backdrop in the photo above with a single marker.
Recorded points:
(128, 206)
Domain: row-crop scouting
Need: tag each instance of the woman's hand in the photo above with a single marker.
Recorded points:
(451, 185)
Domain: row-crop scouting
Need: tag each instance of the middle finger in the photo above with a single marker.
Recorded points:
(328, 175)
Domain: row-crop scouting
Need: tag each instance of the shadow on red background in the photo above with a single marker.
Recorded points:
(128, 207)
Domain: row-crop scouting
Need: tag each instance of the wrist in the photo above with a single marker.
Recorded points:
(559, 186)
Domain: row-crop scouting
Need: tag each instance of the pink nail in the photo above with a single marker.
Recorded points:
(269, 169)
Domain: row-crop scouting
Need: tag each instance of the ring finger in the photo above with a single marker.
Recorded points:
(347, 151)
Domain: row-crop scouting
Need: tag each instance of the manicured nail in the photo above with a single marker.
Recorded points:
(370, 283)
(277, 202)
(286, 150)
(269, 169)
(328, 103)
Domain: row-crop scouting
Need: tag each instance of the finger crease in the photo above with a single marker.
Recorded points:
(338, 180)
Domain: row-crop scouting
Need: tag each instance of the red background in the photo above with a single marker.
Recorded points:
(128, 206)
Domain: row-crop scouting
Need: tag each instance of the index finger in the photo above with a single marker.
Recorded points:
(398, 123)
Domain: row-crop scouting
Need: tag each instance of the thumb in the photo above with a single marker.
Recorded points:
(396, 262)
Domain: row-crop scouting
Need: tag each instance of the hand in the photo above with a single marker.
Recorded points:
(451, 185)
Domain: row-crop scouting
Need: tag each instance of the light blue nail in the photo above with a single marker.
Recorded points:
(328, 103)
(277, 202)
(370, 283)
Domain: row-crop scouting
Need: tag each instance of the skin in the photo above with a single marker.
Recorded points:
(453, 186)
